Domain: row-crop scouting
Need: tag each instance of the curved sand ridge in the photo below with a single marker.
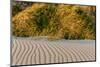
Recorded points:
(26, 51)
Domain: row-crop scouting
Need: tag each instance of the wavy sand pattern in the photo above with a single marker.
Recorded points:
(28, 51)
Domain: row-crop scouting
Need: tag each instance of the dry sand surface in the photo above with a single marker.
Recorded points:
(26, 51)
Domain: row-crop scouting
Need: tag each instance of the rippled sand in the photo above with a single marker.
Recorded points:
(26, 51)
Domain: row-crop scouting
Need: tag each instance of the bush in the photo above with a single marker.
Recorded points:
(57, 21)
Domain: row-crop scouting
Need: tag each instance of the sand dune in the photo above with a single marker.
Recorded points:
(30, 51)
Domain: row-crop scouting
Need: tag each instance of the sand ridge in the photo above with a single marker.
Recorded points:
(30, 51)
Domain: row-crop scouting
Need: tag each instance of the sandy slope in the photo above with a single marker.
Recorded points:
(30, 51)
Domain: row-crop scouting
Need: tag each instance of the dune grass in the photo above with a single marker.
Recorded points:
(55, 21)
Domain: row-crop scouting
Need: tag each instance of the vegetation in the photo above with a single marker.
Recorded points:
(54, 20)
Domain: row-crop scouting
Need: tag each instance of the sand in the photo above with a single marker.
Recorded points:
(26, 51)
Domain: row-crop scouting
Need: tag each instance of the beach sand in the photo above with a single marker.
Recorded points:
(30, 51)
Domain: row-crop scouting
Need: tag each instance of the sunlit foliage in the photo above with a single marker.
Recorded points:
(55, 20)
